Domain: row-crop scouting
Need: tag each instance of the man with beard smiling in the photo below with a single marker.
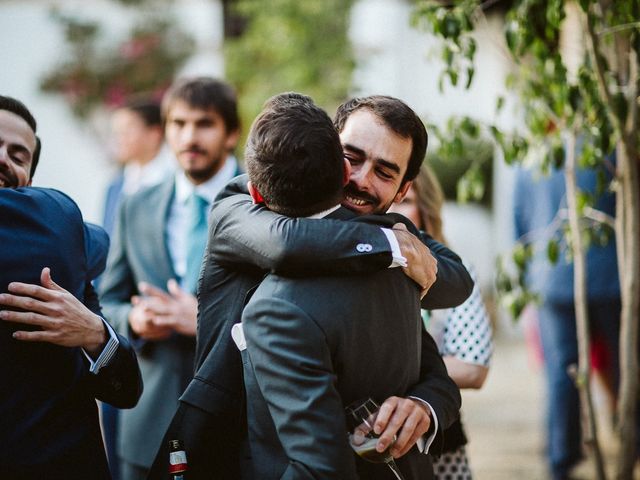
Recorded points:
(57, 356)
(149, 285)
(385, 143)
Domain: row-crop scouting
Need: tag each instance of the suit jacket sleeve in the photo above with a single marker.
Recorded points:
(119, 382)
(453, 284)
(117, 285)
(248, 234)
(436, 388)
(293, 370)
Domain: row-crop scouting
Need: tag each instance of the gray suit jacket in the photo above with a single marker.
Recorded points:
(316, 345)
(211, 419)
(139, 253)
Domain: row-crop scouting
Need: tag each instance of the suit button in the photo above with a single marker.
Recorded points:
(117, 385)
(364, 247)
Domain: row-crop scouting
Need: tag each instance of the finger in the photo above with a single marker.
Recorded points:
(384, 414)
(421, 428)
(135, 300)
(40, 336)
(163, 321)
(406, 433)
(32, 290)
(397, 420)
(27, 318)
(156, 306)
(400, 226)
(174, 288)
(23, 303)
(149, 290)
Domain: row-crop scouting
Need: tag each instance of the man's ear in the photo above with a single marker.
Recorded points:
(347, 172)
(404, 188)
(232, 140)
(255, 194)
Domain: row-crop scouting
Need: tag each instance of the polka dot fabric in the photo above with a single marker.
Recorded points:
(463, 332)
(453, 466)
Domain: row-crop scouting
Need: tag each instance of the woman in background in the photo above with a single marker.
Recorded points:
(463, 334)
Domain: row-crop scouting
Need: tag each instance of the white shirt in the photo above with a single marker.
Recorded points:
(178, 220)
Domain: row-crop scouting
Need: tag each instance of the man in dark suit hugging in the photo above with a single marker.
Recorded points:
(314, 345)
(57, 355)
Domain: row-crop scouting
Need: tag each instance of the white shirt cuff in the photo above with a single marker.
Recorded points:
(107, 353)
(398, 259)
(424, 442)
(237, 334)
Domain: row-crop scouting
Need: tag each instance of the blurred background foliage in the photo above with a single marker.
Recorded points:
(288, 45)
(462, 159)
(99, 73)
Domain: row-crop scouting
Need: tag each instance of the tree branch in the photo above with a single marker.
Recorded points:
(592, 44)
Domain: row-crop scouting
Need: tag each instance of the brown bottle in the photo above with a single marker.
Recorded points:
(177, 460)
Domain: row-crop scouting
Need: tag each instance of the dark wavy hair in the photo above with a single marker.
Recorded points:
(205, 93)
(294, 156)
(396, 115)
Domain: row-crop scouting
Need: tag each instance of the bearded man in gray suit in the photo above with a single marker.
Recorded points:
(314, 345)
(148, 289)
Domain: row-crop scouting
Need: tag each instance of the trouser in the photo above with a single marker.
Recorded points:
(109, 420)
(559, 344)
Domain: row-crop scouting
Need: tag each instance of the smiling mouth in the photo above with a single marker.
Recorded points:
(358, 202)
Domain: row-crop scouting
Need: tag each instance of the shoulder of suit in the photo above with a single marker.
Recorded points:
(150, 194)
(43, 197)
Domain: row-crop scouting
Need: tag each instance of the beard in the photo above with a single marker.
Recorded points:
(372, 202)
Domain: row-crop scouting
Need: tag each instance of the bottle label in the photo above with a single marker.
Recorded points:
(177, 461)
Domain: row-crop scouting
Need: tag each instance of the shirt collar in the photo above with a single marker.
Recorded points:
(324, 213)
(209, 189)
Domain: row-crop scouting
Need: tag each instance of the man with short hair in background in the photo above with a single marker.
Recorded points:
(148, 289)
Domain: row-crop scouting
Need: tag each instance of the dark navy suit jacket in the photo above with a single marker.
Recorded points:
(48, 414)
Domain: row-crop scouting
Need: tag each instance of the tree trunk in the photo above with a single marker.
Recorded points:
(627, 229)
(582, 374)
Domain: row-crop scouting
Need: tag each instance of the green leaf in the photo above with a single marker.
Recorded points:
(453, 76)
(521, 255)
(470, 74)
(553, 250)
(451, 27)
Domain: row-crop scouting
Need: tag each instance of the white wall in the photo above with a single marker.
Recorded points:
(397, 60)
(74, 159)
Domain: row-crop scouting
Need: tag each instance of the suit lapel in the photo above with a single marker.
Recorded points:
(159, 217)
(341, 214)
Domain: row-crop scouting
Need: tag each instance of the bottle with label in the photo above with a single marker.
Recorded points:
(177, 460)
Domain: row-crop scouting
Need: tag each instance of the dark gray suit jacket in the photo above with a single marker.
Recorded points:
(245, 241)
(318, 344)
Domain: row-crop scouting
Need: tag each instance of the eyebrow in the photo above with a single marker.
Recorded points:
(385, 163)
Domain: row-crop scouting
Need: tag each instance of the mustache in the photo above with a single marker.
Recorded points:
(194, 149)
(8, 178)
(351, 190)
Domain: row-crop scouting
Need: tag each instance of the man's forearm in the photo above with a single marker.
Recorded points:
(248, 234)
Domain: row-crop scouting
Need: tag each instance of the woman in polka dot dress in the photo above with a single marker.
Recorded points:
(463, 334)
